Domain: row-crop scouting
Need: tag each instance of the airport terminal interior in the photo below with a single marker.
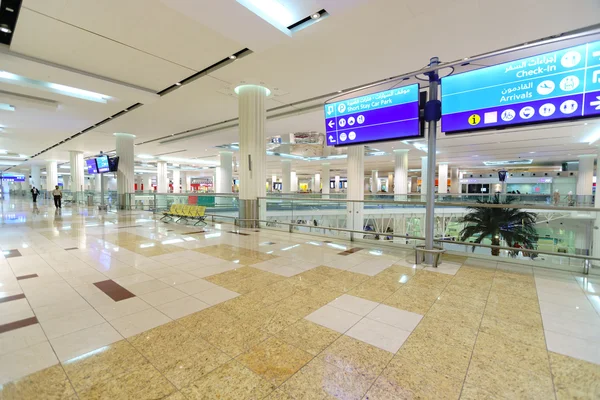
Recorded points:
(299, 199)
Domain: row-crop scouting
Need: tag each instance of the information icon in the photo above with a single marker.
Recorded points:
(351, 121)
(352, 135)
(527, 112)
(360, 119)
(546, 87)
(342, 108)
(569, 107)
(342, 122)
(569, 83)
(343, 136)
(474, 119)
(570, 59)
(547, 110)
(508, 115)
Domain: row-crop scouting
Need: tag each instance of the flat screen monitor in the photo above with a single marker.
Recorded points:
(91, 166)
(113, 164)
(102, 164)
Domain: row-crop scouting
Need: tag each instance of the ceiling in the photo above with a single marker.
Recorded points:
(131, 50)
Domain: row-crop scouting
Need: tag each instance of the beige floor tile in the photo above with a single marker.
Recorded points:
(414, 299)
(504, 350)
(375, 289)
(344, 281)
(471, 392)
(231, 381)
(279, 395)
(514, 315)
(50, 383)
(508, 381)
(308, 278)
(462, 302)
(133, 324)
(575, 379)
(526, 334)
(355, 356)
(142, 383)
(275, 360)
(455, 315)
(321, 380)
(440, 330)
(308, 336)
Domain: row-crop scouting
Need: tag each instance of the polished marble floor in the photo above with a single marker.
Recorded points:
(122, 306)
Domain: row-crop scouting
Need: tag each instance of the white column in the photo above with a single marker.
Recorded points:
(286, 176)
(162, 179)
(326, 177)
(273, 180)
(585, 176)
(77, 171)
(356, 187)
(443, 178)
(35, 176)
(337, 181)
(125, 173)
(400, 172)
(456, 187)
(51, 175)
(596, 228)
(176, 180)
(424, 176)
(390, 182)
(188, 181)
(97, 183)
(374, 181)
(294, 182)
(317, 183)
(253, 150)
(66, 182)
(224, 173)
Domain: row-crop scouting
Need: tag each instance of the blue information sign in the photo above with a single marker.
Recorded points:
(102, 164)
(563, 84)
(389, 115)
(91, 166)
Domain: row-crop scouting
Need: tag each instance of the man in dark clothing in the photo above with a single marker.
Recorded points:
(57, 194)
(34, 194)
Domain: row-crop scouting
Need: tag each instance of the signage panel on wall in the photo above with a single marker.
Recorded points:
(559, 85)
(388, 115)
(13, 178)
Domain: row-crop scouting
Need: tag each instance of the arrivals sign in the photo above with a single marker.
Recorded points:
(560, 85)
(13, 178)
(388, 115)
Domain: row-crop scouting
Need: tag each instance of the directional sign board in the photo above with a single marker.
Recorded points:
(388, 115)
(559, 85)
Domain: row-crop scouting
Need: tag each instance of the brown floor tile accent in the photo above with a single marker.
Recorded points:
(72, 248)
(19, 278)
(125, 227)
(239, 233)
(194, 233)
(11, 298)
(350, 251)
(327, 241)
(268, 243)
(18, 324)
(11, 253)
(113, 290)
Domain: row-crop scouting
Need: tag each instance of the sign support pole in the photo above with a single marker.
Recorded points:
(432, 116)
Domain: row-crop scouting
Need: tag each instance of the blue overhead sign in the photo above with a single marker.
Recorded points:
(559, 85)
(388, 115)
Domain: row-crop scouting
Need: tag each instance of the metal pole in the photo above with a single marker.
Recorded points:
(102, 206)
(432, 116)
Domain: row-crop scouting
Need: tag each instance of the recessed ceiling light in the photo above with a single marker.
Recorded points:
(178, 84)
(532, 152)
(316, 16)
(339, 91)
(232, 57)
(5, 29)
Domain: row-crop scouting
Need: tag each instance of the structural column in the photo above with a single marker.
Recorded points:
(400, 173)
(596, 228)
(188, 181)
(51, 175)
(443, 178)
(253, 151)
(77, 174)
(456, 187)
(176, 180)
(224, 174)
(585, 177)
(125, 173)
(67, 182)
(162, 179)
(356, 187)
(286, 176)
(374, 181)
(337, 181)
(317, 183)
(326, 178)
(424, 187)
(35, 177)
(294, 182)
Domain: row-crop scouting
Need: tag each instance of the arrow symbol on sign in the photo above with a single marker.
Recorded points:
(330, 138)
(596, 54)
(331, 124)
(596, 103)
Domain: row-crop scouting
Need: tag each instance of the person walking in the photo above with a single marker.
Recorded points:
(57, 197)
(34, 193)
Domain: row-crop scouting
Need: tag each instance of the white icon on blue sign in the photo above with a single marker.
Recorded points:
(508, 115)
(331, 139)
(570, 59)
(342, 122)
(351, 121)
(547, 110)
(352, 135)
(330, 110)
(545, 88)
(343, 136)
(569, 83)
(360, 119)
(569, 107)
(342, 108)
(527, 112)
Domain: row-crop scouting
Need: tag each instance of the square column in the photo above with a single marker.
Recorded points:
(356, 187)
(443, 178)
(326, 178)
(51, 175)
(162, 180)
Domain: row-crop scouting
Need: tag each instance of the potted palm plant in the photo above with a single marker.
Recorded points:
(514, 226)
